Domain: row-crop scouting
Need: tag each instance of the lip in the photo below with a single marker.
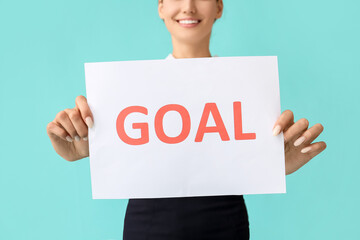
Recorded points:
(188, 19)
(188, 25)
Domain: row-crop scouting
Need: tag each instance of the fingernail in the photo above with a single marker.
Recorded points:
(89, 122)
(276, 130)
(85, 138)
(77, 138)
(69, 138)
(305, 150)
(299, 141)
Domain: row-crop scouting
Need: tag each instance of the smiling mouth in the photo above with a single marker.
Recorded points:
(189, 22)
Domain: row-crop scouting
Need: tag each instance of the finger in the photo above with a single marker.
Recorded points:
(309, 135)
(78, 123)
(63, 120)
(296, 130)
(54, 129)
(308, 153)
(314, 149)
(86, 114)
(285, 120)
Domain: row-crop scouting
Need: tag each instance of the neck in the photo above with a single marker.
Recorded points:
(191, 50)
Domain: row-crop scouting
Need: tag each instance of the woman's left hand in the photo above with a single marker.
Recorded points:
(298, 139)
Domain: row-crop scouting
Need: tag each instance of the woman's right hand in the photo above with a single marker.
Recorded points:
(68, 132)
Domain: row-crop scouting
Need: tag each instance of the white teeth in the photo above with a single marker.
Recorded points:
(188, 21)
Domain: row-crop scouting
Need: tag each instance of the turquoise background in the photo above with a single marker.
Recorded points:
(43, 47)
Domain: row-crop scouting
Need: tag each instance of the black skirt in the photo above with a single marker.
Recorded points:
(211, 217)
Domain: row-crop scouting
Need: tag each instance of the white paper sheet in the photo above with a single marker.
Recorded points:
(211, 167)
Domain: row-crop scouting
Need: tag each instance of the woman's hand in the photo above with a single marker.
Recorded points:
(69, 130)
(298, 139)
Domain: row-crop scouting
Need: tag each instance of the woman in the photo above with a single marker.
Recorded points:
(190, 24)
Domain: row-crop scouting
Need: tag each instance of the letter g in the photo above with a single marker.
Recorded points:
(144, 127)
